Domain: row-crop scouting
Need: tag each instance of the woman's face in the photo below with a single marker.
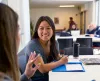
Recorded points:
(73, 26)
(45, 31)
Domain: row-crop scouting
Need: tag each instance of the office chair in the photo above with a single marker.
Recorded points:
(22, 62)
(85, 51)
(85, 42)
(65, 43)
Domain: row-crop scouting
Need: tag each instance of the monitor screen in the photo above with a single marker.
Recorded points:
(65, 43)
(75, 32)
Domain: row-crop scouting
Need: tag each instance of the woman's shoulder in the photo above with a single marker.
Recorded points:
(33, 45)
(33, 42)
(4, 77)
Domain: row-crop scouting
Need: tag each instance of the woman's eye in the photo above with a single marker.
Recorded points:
(41, 28)
(48, 28)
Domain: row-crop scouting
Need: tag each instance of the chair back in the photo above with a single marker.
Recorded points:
(85, 51)
(65, 43)
(85, 42)
(82, 51)
(22, 61)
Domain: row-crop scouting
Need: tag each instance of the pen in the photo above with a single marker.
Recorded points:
(65, 55)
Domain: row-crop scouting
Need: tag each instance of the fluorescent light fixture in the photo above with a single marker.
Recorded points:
(67, 6)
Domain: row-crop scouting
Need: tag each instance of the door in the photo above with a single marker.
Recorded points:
(83, 22)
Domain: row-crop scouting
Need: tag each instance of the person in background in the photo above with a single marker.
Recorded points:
(9, 43)
(71, 22)
(73, 27)
(43, 42)
(94, 31)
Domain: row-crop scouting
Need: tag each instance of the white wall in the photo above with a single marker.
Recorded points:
(22, 8)
(89, 15)
(90, 12)
(62, 13)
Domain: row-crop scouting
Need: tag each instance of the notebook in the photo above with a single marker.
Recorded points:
(70, 67)
(90, 61)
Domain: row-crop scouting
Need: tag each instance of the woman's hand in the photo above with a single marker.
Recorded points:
(30, 71)
(64, 59)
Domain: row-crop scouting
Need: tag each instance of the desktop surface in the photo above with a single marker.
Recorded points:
(92, 72)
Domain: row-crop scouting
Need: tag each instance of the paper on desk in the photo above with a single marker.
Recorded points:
(73, 60)
(71, 67)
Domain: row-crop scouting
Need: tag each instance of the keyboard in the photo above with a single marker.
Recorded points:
(90, 61)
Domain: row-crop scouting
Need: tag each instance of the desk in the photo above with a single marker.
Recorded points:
(94, 39)
(91, 72)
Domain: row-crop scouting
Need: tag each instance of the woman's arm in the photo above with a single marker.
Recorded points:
(49, 66)
(29, 70)
(44, 67)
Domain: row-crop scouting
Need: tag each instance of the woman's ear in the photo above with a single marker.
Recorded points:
(18, 37)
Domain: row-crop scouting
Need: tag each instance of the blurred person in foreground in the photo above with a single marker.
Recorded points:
(9, 43)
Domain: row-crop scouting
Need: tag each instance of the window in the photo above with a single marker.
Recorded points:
(98, 12)
(4, 1)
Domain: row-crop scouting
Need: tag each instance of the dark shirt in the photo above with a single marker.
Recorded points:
(70, 24)
(95, 31)
(65, 33)
(24, 78)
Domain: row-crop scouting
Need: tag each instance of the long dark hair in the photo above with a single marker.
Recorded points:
(8, 47)
(53, 50)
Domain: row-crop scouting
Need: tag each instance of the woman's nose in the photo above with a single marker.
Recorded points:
(45, 31)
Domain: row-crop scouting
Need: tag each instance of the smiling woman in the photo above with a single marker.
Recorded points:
(44, 44)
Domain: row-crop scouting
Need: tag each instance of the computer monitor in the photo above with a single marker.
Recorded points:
(75, 32)
(64, 43)
(85, 42)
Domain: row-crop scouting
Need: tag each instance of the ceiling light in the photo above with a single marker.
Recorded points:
(67, 6)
